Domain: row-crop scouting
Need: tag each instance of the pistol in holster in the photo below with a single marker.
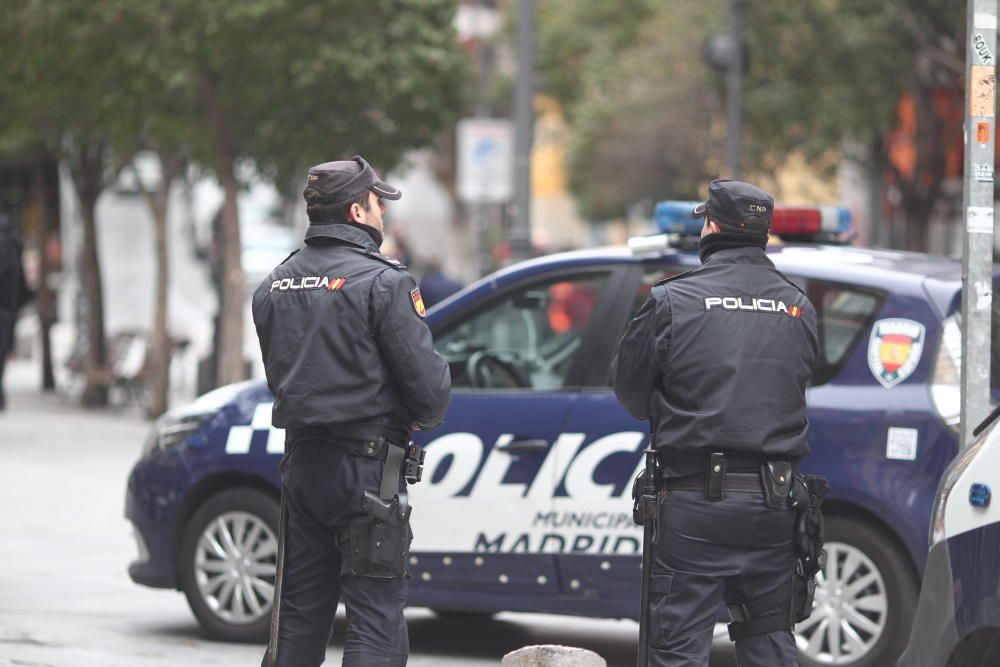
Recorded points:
(378, 542)
(806, 498)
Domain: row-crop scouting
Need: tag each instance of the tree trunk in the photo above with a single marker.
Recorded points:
(232, 290)
(45, 303)
(88, 168)
(231, 366)
(158, 355)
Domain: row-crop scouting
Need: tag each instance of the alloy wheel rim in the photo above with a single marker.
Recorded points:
(234, 565)
(849, 611)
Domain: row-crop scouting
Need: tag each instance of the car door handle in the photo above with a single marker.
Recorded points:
(524, 446)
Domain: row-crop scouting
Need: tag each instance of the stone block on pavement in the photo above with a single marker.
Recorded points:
(552, 656)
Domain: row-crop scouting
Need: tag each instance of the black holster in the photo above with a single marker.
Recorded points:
(806, 498)
(784, 488)
(377, 543)
(380, 542)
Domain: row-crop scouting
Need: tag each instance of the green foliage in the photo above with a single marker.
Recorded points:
(647, 114)
(572, 34)
(641, 102)
(823, 71)
(299, 82)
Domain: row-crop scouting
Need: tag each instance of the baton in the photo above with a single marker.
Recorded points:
(647, 510)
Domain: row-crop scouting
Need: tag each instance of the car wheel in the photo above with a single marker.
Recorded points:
(228, 560)
(865, 600)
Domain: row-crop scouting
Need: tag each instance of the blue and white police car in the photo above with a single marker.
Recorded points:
(958, 616)
(525, 501)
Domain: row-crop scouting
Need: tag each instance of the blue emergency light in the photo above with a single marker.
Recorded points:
(674, 217)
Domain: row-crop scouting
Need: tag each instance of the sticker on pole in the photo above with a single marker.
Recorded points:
(982, 132)
(982, 91)
(979, 220)
(982, 49)
(984, 21)
(982, 172)
(894, 350)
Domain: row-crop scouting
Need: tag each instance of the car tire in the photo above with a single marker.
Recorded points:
(208, 563)
(874, 580)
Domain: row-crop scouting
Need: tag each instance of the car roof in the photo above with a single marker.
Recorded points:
(934, 277)
(865, 264)
(872, 262)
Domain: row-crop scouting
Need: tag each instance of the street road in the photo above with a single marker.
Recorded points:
(66, 599)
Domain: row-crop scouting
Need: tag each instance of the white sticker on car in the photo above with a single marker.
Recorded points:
(901, 444)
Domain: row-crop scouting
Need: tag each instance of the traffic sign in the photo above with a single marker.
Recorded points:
(485, 160)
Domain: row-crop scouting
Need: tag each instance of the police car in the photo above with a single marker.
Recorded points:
(525, 501)
(958, 616)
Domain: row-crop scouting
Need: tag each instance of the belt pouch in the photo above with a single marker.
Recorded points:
(715, 476)
(777, 482)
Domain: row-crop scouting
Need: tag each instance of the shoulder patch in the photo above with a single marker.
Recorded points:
(293, 253)
(418, 302)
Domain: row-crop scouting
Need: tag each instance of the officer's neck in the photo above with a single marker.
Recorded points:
(330, 233)
(711, 244)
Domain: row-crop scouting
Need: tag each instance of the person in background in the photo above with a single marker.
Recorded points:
(14, 292)
(436, 285)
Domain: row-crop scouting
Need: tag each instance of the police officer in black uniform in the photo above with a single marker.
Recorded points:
(718, 359)
(353, 371)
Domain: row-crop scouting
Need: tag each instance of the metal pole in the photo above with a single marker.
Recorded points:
(524, 121)
(977, 258)
(734, 89)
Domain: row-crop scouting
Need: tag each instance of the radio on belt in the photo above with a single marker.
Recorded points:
(413, 466)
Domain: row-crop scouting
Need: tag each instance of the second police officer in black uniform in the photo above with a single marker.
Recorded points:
(353, 370)
(718, 359)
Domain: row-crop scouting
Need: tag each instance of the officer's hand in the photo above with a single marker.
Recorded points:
(414, 426)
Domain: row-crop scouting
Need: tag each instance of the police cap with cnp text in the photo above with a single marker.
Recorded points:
(335, 182)
(737, 205)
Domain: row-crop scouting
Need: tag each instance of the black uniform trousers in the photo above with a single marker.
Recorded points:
(735, 549)
(323, 487)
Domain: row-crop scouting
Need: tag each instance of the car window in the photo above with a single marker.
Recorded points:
(845, 313)
(526, 339)
(649, 278)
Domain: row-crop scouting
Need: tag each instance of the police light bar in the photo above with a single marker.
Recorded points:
(810, 220)
(815, 222)
(674, 217)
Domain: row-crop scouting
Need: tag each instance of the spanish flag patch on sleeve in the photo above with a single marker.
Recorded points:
(418, 302)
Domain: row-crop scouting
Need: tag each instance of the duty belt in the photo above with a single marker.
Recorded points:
(747, 482)
(406, 460)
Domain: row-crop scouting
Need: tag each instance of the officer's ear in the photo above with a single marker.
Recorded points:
(354, 213)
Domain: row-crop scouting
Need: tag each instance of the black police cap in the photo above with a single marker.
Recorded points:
(335, 182)
(738, 205)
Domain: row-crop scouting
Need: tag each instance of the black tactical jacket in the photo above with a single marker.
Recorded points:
(719, 359)
(344, 342)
